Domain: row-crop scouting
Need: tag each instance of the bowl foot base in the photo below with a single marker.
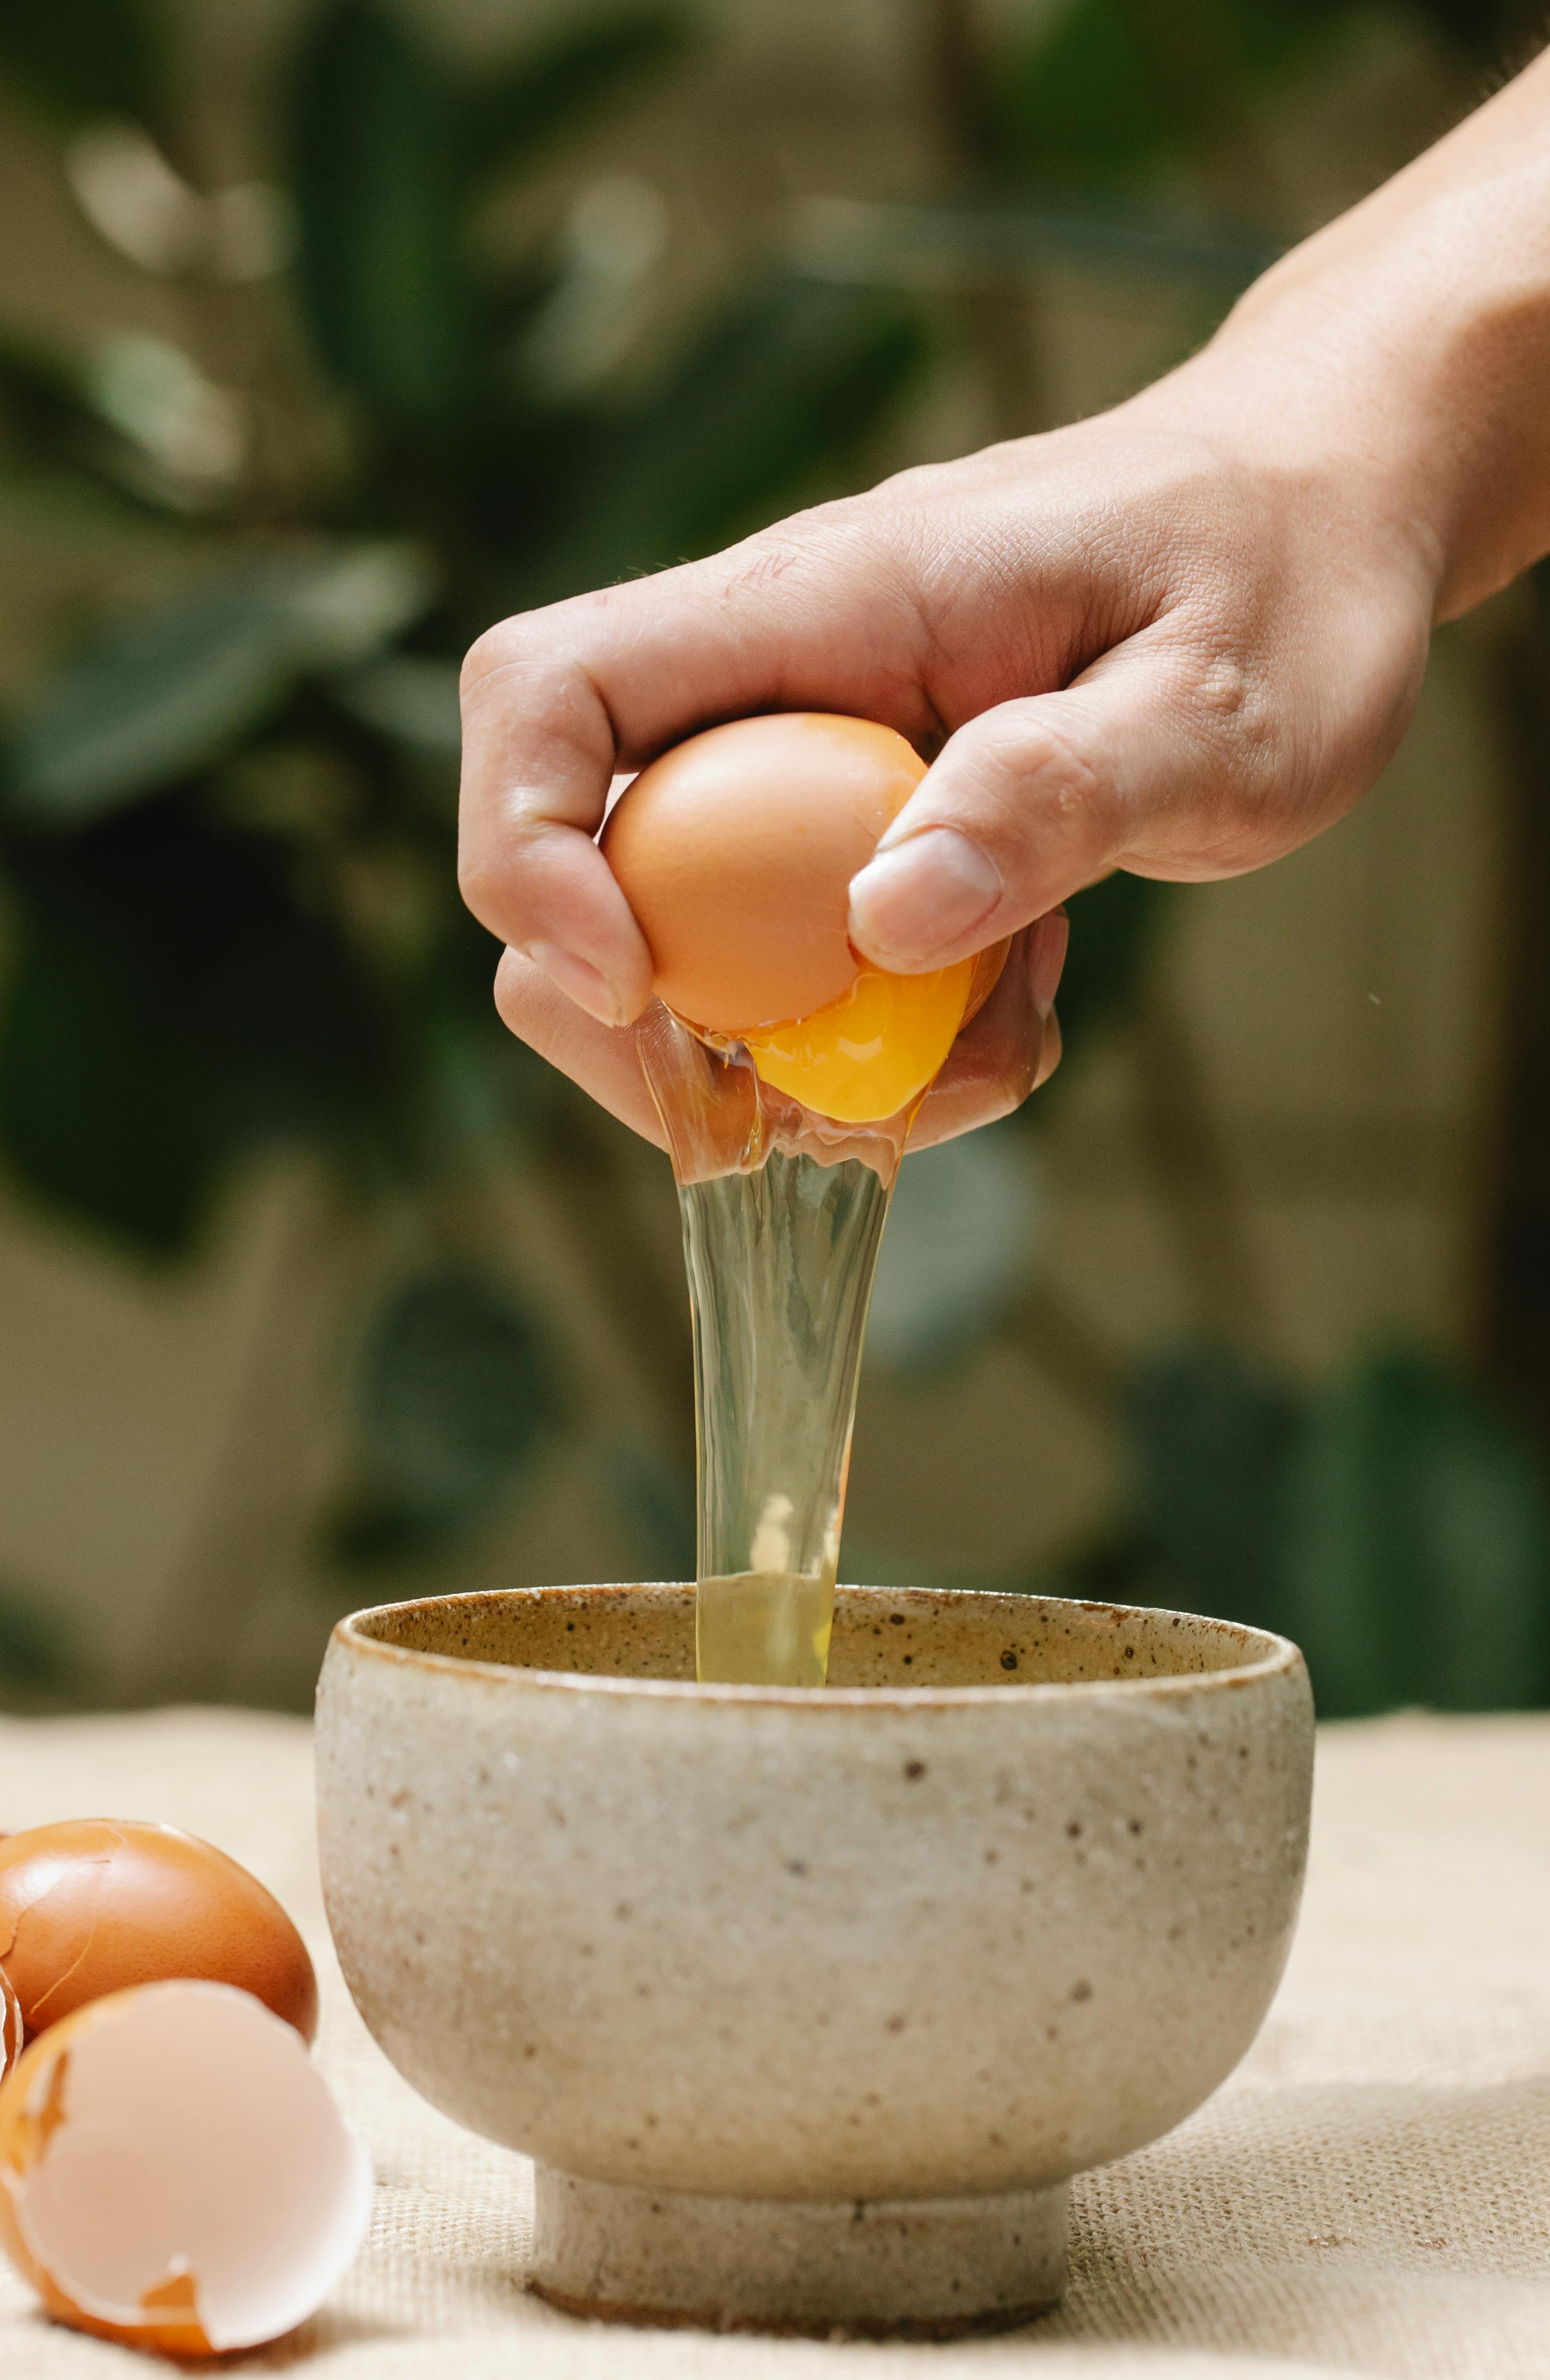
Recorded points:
(879, 2268)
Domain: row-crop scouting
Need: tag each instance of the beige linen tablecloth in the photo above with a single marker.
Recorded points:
(1369, 2193)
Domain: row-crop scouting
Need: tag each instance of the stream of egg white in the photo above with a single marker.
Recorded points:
(780, 1263)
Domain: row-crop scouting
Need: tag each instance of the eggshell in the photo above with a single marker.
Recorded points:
(90, 1905)
(174, 2173)
(987, 974)
(735, 850)
(12, 2033)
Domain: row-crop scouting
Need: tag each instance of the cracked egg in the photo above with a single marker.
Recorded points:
(89, 1906)
(174, 2173)
(735, 850)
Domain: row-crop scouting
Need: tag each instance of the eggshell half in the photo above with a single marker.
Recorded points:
(735, 850)
(90, 1905)
(174, 2173)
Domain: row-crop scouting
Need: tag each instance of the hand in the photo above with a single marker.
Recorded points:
(1134, 643)
(1180, 638)
(1012, 1046)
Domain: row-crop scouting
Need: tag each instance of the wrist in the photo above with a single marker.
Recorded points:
(1300, 397)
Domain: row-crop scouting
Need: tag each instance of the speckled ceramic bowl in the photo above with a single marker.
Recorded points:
(807, 2005)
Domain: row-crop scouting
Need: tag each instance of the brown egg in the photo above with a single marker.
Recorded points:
(736, 852)
(90, 1905)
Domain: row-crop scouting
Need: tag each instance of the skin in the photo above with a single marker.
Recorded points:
(1181, 638)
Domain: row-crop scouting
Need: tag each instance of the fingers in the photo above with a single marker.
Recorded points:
(1028, 802)
(538, 747)
(814, 616)
(1012, 1046)
(602, 1059)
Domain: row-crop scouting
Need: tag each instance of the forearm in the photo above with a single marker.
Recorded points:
(1410, 339)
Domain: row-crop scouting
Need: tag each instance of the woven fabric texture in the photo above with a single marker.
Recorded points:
(1370, 2194)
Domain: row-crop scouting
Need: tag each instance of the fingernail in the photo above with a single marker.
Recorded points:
(919, 899)
(1051, 936)
(580, 981)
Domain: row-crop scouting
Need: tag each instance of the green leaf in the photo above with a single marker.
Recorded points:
(782, 389)
(108, 415)
(658, 1503)
(1106, 90)
(960, 1236)
(1083, 105)
(376, 181)
(159, 695)
(296, 1042)
(170, 1005)
(1419, 1546)
(153, 700)
(45, 406)
(409, 698)
(453, 1398)
(1395, 1525)
(100, 1112)
(1211, 1436)
(514, 111)
(1117, 1564)
(35, 1654)
(1487, 32)
(76, 59)
(1113, 928)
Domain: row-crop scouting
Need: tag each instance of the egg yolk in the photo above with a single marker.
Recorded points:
(867, 1054)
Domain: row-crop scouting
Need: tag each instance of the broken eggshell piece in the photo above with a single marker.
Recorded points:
(11, 2034)
(174, 2173)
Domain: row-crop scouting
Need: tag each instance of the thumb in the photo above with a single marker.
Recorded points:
(1028, 802)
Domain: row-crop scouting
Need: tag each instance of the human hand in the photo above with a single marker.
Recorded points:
(1180, 638)
(1129, 644)
(1012, 1046)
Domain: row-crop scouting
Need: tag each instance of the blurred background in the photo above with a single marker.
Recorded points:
(329, 333)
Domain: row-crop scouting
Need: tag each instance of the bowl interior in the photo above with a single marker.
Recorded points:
(884, 1638)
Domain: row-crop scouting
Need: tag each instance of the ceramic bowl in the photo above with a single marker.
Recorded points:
(807, 2005)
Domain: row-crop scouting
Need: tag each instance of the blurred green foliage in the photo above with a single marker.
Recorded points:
(455, 1393)
(227, 817)
(79, 61)
(39, 1667)
(1101, 93)
(1393, 1520)
(192, 800)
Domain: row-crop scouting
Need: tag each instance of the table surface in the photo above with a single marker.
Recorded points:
(1369, 2193)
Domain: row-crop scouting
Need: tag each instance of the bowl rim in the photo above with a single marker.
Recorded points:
(1278, 1656)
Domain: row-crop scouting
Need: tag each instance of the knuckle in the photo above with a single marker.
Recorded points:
(1222, 695)
(489, 654)
(533, 649)
(486, 886)
(1220, 688)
